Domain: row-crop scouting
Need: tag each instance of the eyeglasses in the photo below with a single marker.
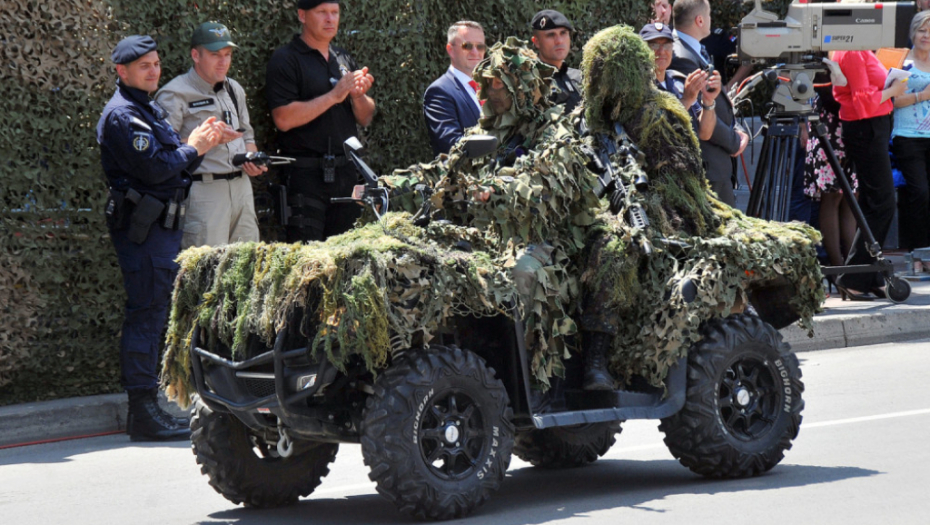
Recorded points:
(655, 46)
(468, 46)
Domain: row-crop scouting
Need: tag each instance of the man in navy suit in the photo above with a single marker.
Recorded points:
(450, 104)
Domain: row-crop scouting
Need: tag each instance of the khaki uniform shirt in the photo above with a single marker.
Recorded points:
(189, 100)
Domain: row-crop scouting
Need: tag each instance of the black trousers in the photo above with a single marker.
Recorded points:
(866, 143)
(913, 156)
(322, 219)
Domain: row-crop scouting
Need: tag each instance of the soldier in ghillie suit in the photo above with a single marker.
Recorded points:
(706, 257)
(533, 219)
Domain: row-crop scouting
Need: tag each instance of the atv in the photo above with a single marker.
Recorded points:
(439, 423)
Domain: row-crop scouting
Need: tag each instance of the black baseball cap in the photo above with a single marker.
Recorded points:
(550, 19)
(131, 48)
(213, 36)
(655, 31)
(310, 4)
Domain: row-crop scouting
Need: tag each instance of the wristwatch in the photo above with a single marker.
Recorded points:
(711, 106)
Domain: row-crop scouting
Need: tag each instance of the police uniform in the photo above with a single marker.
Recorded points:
(146, 168)
(298, 72)
(221, 208)
(566, 82)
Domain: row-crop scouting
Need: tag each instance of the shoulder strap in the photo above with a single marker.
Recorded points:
(233, 95)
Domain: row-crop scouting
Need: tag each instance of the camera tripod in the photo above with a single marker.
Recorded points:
(770, 197)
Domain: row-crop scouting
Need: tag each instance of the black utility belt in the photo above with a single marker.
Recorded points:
(137, 212)
(198, 177)
(317, 163)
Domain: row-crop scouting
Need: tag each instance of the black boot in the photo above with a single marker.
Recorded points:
(596, 376)
(148, 422)
(180, 421)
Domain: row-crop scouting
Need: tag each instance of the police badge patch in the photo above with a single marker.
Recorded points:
(141, 141)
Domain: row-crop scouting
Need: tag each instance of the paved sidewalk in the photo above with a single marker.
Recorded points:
(842, 324)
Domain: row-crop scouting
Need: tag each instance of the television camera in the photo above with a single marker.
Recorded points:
(793, 50)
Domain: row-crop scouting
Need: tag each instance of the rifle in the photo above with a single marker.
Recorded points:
(613, 185)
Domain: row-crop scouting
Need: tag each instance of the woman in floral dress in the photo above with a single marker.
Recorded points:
(837, 222)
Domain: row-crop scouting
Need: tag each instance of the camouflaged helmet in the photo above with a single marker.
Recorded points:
(528, 79)
(618, 69)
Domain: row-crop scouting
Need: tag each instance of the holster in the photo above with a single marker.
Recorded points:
(116, 211)
(144, 215)
(279, 199)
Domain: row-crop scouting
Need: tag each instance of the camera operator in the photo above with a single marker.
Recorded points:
(865, 111)
(221, 208)
(692, 24)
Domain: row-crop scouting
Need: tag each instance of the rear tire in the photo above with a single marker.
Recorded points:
(743, 405)
(244, 470)
(566, 447)
(437, 432)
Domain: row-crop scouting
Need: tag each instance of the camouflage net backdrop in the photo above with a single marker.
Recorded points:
(56, 78)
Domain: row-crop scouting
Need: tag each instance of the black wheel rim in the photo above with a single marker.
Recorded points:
(452, 435)
(749, 399)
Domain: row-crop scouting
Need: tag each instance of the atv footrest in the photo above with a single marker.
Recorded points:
(620, 405)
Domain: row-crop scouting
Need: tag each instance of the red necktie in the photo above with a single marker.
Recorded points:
(474, 85)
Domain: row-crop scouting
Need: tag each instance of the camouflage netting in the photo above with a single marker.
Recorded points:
(56, 78)
(382, 287)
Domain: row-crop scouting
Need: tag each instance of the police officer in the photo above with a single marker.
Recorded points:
(317, 96)
(552, 36)
(147, 171)
(221, 208)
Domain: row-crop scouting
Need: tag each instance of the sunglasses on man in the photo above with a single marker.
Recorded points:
(468, 46)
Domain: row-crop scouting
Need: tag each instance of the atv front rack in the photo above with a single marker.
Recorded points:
(280, 397)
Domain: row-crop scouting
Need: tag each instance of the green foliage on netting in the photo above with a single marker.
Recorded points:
(61, 316)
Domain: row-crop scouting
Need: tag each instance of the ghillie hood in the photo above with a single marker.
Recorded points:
(529, 81)
(618, 69)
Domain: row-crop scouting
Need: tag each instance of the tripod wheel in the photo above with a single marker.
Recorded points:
(898, 289)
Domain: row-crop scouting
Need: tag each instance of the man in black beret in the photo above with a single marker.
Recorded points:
(317, 96)
(147, 169)
(552, 36)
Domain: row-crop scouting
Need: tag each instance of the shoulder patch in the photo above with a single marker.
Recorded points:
(141, 141)
(201, 103)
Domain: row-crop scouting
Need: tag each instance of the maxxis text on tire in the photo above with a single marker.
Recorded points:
(437, 432)
(743, 405)
(226, 453)
(566, 447)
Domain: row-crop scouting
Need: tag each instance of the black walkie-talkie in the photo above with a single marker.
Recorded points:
(329, 164)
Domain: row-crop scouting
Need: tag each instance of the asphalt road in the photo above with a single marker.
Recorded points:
(862, 457)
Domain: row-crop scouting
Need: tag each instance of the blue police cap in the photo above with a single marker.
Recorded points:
(131, 48)
(656, 30)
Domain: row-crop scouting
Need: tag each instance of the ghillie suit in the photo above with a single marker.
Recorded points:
(656, 304)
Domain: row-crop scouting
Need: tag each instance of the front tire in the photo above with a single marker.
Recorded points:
(437, 432)
(566, 447)
(245, 470)
(743, 405)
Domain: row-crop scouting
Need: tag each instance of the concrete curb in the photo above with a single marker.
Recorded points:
(62, 418)
(841, 331)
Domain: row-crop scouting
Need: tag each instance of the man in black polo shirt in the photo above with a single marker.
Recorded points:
(317, 95)
(552, 36)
